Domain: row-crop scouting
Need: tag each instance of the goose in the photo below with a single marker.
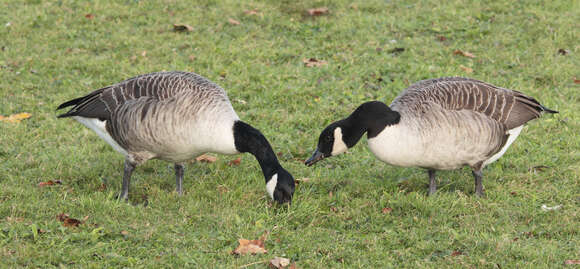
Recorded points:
(436, 124)
(174, 116)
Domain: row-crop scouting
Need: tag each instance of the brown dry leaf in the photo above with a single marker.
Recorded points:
(250, 247)
(233, 22)
(577, 81)
(125, 233)
(182, 27)
(235, 162)
(466, 69)
(89, 16)
(70, 222)
(103, 187)
(16, 118)
(456, 253)
(563, 51)
(49, 183)
(312, 62)
(441, 38)
(318, 11)
(279, 262)
(572, 262)
(252, 12)
(463, 53)
(206, 158)
(387, 210)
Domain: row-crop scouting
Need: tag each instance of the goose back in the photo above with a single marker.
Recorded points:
(508, 107)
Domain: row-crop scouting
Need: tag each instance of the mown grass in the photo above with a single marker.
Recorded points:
(51, 52)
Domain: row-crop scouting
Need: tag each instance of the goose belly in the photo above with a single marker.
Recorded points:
(179, 140)
(433, 147)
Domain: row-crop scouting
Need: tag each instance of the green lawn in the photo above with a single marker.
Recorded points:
(53, 51)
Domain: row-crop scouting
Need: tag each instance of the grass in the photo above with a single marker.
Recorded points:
(52, 51)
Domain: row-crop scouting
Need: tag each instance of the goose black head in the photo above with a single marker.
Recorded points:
(334, 140)
(280, 187)
(370, 117)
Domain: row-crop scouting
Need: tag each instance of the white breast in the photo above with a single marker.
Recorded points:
(396, 145)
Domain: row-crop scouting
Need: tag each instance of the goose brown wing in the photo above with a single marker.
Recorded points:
(509, 107)
(158, 86)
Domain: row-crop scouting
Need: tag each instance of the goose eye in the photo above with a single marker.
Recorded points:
(329, 138)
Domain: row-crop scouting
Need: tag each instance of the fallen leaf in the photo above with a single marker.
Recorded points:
(550, 208)
(279, 262)
(318, 11)
(538, 168)
(68, 221)
(312, 62)
(235, 162)
(441, 38)
(577, 81)
(125, 233)
(182, 28)
(252, 12)
(572, 262)
(89, 16)
(250, 247)
(515, 239)
(513, 193)
(330, 194)
(301, 180)
(466, 69)
(233, 22)
(191, 57)
(49, 183)
(206, 158)
(16, 118)
(103, 187)
(396, 50)
(456, 253)
(463, 53)
(333, 209)
(387, 210)
(563, 51)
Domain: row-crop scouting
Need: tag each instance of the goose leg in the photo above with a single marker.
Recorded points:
(432, 182)
(179, 178)
(478, 175)
(127, 171)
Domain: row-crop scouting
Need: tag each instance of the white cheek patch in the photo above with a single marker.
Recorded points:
(271, 185)
(339, 146)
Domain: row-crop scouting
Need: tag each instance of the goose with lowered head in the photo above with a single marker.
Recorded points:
(436, 124)
(174, 116)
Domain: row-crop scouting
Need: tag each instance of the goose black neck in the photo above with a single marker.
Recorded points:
(372, 117)
(249, 139)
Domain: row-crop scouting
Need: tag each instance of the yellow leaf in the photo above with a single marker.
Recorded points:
(15, 118)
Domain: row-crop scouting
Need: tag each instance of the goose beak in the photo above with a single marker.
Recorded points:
(316, 156)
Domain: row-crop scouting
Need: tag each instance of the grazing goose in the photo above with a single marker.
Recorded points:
(174, 116)
(436, 124)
